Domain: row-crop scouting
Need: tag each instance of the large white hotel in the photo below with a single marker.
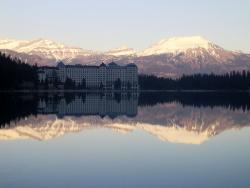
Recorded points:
(103, 76)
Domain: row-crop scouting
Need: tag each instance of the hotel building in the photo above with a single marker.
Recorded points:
(103, 76)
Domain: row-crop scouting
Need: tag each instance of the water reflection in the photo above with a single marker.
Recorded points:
(187, 118)
(102, 104)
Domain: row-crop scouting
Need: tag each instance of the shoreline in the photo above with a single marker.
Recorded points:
(124, 91)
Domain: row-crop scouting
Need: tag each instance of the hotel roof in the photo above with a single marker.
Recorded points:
(110, 65)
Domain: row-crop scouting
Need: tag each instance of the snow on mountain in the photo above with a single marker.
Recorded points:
(195, 45)
(122, 51)
(11, 44)
(44, 48)
(50, 49)
(176, 45)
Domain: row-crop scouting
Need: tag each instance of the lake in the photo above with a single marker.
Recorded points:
(149, 139)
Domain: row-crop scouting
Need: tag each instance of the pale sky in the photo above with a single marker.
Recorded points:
(106, 24)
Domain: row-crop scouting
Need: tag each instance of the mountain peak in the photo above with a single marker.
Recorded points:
(178, 44)
(122, 51)
(41, 43)
(44, 48)
(124, 47)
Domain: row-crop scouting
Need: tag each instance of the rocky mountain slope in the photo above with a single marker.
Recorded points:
(168, 57)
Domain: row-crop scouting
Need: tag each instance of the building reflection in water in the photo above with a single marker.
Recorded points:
(102, 104)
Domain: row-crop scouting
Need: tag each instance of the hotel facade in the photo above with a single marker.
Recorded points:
(102, 76)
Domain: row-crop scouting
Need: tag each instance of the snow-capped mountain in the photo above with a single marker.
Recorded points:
(50, 49)
(169, 57)
(122, 51)
(177, 45)
(44, 48)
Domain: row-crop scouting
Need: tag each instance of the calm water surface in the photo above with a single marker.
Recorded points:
(125, 140)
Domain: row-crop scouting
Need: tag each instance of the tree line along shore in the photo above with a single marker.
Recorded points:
(17, 75)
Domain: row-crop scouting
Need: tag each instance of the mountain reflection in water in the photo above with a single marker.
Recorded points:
(189, 118)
